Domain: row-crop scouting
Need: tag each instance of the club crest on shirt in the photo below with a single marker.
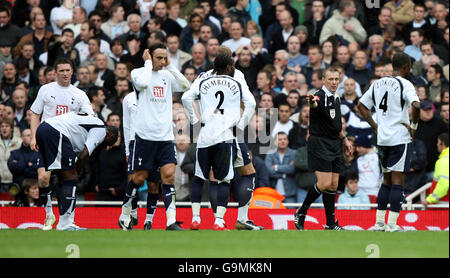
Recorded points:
(61, 109)
(158, 92)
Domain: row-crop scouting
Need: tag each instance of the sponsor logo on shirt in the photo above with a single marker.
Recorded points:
(61, 109)
(158, 92)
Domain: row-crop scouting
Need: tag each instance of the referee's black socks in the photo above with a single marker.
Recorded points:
(329, 198)
(312, 195)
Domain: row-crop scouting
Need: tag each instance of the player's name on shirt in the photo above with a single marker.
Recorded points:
(213, 82)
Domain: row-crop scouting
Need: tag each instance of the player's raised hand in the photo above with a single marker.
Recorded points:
(146, 55)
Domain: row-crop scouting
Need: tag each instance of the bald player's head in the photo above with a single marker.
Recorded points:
(224, 63)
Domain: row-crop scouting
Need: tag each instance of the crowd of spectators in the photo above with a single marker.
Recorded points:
(281, 46)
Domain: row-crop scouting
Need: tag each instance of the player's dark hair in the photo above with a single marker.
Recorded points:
(112, 133)
(155, 46)
(224, 63)
(443, 137)
(62, 61)
(400, 59)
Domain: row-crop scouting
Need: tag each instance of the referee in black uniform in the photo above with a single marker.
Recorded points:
(325, 148)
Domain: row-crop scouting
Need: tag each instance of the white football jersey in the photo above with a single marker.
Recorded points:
(220, 104)
(153, 120)
(53, 100)
(247, 98)
(82, 130)
(129, 106)
(391, 97)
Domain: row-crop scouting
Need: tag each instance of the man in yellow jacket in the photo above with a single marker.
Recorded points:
(402, 11)
(439, 188)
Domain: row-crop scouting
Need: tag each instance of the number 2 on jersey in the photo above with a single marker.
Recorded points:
(221, 98)
(383, 103)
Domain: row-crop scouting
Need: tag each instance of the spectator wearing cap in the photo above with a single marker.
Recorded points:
(302, 33)
(8, 31)
(5, 54)
(428, 131)
(344, 24)
(352, 193)
(368, 166)
(316, 22)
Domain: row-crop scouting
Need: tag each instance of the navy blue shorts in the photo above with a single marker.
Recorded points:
(219, 157)
(154, 175)
(242, 155)
(40, 160)
(150, 155)
(55, 149)
(395, 158)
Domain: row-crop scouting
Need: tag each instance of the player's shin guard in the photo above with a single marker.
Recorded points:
(312, 195)
(66, 202)
(196, 198)
(246, 187)
(395, 201)
(152, 200)
(213, 191)
(328, 198)
(168, 196)
(45, 195)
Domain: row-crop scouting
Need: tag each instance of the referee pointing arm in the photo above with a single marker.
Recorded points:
(325, 148)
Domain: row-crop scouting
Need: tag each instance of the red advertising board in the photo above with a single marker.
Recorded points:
(276, 219)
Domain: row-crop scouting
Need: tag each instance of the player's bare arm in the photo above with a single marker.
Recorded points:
(367, 116)
(34, 123)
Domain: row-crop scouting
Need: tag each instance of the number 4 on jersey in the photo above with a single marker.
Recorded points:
(383, 103)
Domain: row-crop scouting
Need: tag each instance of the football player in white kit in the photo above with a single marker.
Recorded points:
(65, 143)
(55, 98)
(220, 98)
(154, 147)
(243, 191)
(129, 105)
(391, 96)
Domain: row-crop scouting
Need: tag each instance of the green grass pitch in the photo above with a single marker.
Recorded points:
(34, 243)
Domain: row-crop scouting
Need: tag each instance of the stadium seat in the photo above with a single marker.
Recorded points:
(89, 196)
(373, 199)
(4, 196)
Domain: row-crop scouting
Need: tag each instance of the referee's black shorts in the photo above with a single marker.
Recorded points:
(325, 154)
